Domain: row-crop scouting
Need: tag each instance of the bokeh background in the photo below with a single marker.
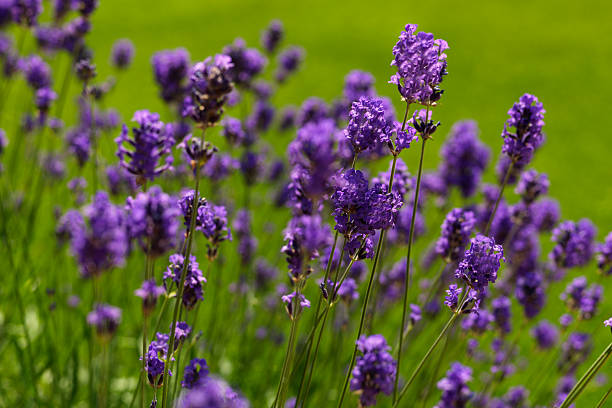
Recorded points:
(559, 51)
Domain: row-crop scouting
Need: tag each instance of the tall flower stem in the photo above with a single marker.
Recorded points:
(587, 377)
(279, 401)
(181, 285)
(433, 346)
(330, 302)
(499, 196)
(364, 309)
(407, 281)
(319, 303)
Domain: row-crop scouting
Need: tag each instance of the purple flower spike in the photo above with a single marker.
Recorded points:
(574, 241)
(421, 66)
(150, 143)
(246, 63)
(122, 53)
(149, 292)
(171, 68)
(464, 158)
(195, 372)
(374, 370)
(290, 304)
(272, 36)
(358, 84)
(153, 220)
(480, 263)
(546, 334)
(455, 392)
(367, 124)
(105, 319)
(532, 185)
(99, 238)
(604, 256)
(522, 132)
(456, 230)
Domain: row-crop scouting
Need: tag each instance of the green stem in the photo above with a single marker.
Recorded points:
(604, 398)
(433, 346)
(179, 296)
(407, 282)
(363, 314)
(587, 377)
(309, 350)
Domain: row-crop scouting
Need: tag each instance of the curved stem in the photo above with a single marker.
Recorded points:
(407, 281)
(433, 346)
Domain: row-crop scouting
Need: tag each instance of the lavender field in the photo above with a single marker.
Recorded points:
(285, 209)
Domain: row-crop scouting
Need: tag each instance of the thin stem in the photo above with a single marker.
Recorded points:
(499, 196)
(407, 282)
(181, 286)
(279, 401)
(363, 314)
(587, 377)
(327, 272)
(604, 398)
(433, 346)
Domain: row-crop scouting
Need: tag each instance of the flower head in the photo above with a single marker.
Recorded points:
(246, 63)
(421, 66)
(522, 132)
(171, 68)
(272, 36)
(153, 220)
(532, 185)
(149, 292)
(574, 243)
(456, 230)
(192, 291)
(480, 263)
(546, 334)
(151, 142)
(374, 370)
(455, 392)
(105, 319)
(122, 53)
(195, 371)
(367, 125)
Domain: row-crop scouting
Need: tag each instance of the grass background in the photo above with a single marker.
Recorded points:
(559, 51)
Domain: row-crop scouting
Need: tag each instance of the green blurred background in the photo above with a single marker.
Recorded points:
(559, 51)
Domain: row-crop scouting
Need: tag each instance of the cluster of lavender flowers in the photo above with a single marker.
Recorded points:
(169, 193)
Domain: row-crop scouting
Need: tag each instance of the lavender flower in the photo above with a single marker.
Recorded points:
(579, 297)
(530, 293)
(246, 63)
(527, 120)
(212, 222)
(272, 36)
(545, 214)
(149, 292)
(546, 334)
(26, 12)
(421, 66)
(195, 372)
(604, 255)
(105, 319)
(455, 392)
(210, 85)
(358, 84)
(122, 53)
(312, 110)
(150, 142)
(464, 158)
(501, 308)
(374, 370)
(153, 220)
(304, 236)
(289, 62)
(170, 68)
(367, 124)
(36, 72)
(574, 243)
(452, 296)
(120, 180)
(480, 263)
(575, 351)
(99, 239)
(212, 392)
(294, 307)
(532, 185)
(192, 291)
(478, 322)
(456, 230)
